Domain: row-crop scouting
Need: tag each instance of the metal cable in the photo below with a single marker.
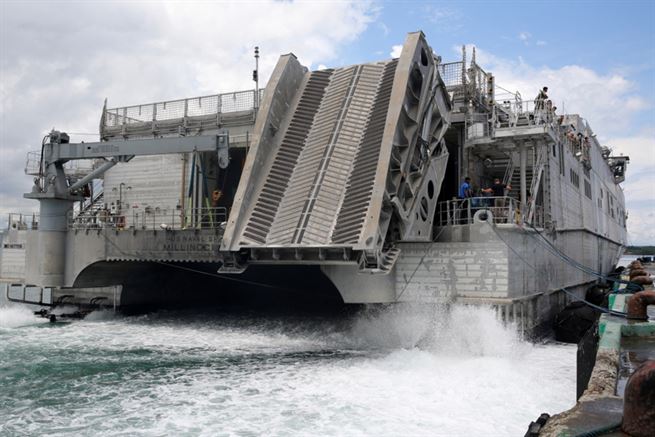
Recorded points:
(555, 251)
(564, 289)
(418, 265)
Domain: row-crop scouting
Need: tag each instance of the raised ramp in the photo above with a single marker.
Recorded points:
(342, 157)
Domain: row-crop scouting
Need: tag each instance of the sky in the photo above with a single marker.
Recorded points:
(60, 60)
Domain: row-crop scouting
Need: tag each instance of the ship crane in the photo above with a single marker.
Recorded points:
(56, 195)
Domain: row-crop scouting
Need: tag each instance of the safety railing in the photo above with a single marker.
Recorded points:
(22, 222)
(498, 210)
(182, 108)
(452, 74)
(153, 219)
(518, 113)
(73, 168)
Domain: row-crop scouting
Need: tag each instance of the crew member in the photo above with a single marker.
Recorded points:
(465, 190)
(465, 193)
(541, 99)
(498, 192)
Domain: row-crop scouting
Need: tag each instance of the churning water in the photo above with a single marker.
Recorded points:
(401, 371)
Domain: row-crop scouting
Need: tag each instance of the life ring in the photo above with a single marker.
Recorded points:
(483, 215)
(216, 194)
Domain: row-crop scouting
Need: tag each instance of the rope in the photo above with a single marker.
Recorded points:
(434, 240)
(555, 251)
(564, 289)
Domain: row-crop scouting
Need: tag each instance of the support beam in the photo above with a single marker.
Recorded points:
(93, 175)
(523, 153)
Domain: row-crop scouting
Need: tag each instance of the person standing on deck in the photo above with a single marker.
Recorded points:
(465, 193)
(541, 98)
(540, 105)
(498, 192)
(465, 190)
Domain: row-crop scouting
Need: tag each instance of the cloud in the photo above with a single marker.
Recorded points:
(599, 98)
(525, 36)
(541, 42)
(139, 52)
(396, 50)
(445, 19)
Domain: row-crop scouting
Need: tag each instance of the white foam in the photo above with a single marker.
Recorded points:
(402, 371)
(16, 316)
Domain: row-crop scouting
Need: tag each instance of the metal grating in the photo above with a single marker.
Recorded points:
(452, 73)
(330, 183)
(286, 158)
(302, 198)
(361, 181)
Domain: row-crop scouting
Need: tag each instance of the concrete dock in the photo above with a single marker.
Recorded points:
(624, 345)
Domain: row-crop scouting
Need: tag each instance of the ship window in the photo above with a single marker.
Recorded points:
(561, 159)
(575, 178)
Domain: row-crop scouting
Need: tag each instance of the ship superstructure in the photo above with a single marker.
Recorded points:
(350, 177)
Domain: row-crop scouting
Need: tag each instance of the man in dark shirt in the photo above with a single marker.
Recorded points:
(540, 100)
(498, 192)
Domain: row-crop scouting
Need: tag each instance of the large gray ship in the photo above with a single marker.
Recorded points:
(342, 184)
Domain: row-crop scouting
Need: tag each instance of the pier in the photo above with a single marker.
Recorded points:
(612, 403)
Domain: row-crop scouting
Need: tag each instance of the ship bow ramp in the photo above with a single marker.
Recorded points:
(345, 162)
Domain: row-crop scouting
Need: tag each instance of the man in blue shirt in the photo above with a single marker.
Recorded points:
(465, 190)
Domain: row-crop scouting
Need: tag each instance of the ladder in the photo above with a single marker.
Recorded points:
(540, 162)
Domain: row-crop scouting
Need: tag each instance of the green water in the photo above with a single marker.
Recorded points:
(186, 373)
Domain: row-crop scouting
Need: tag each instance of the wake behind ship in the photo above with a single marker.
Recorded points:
(339, 184)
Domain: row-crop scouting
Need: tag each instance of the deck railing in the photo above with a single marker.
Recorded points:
(22, 222)
(182, 108)
(497, 210)
(195, 218)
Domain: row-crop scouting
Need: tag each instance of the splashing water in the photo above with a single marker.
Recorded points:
(400, 371)
(17, 316)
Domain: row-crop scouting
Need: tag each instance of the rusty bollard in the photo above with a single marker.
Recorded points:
(638, 303)
(639, 402)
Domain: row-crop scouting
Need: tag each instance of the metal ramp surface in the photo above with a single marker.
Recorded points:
(342, 157)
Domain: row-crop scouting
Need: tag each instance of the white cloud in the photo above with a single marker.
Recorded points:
(541, 42)
(525, 36)
(139, 52)
(395, 51)
(446, 19)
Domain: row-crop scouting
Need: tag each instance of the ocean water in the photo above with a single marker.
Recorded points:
(401, 371)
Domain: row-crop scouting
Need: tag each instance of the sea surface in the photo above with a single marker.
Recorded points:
(410, 371)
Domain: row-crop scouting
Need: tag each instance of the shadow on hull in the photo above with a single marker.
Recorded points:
(149, 286)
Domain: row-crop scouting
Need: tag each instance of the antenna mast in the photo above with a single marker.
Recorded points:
(255, 77)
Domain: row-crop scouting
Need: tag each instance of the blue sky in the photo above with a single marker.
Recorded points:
(598, 59)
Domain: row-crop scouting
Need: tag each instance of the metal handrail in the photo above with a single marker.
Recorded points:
(181, 108)
(20, 221)
(191, 218)
(502, 210)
